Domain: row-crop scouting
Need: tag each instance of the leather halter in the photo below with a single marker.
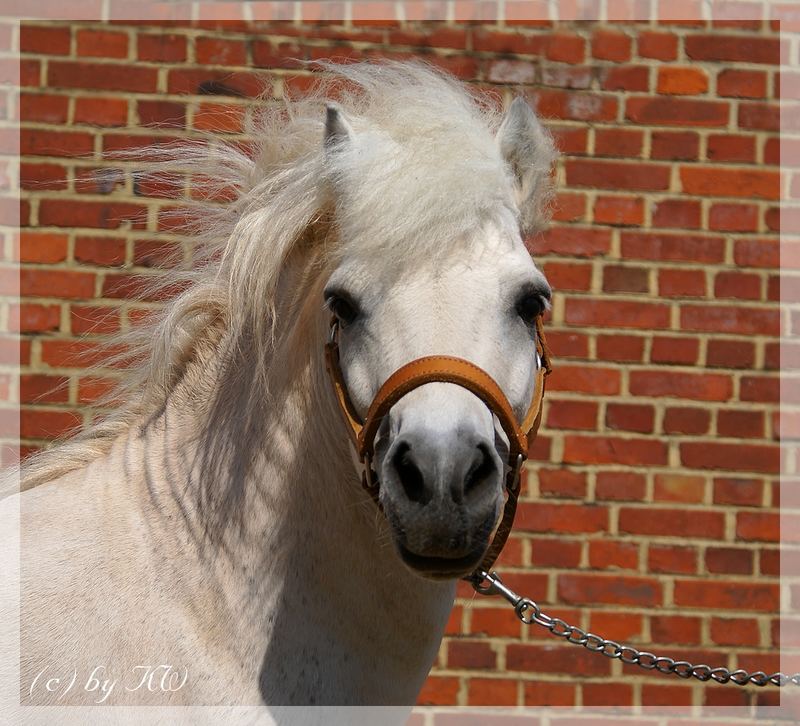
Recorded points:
(445, 369)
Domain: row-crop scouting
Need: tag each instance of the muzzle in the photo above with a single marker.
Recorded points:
(445, 369)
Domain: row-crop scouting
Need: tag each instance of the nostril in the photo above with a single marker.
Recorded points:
(482, 469)
(410, 476)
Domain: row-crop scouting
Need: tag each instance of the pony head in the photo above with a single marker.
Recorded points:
(432, 196)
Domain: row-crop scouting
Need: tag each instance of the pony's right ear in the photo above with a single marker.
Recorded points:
(338, 130)
(529, 152)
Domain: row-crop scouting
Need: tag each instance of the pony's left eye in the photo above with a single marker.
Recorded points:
(530, 307)
(345, 310)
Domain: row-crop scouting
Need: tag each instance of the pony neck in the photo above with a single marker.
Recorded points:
(313, 582)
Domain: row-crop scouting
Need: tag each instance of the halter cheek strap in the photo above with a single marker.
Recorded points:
(445, 369)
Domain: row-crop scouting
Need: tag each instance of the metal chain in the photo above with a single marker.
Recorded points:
(529, 612)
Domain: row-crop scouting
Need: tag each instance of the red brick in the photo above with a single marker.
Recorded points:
(760, 526)
(681, 283)
(34, 318)
(555, 551)
(94, 319)
(95, 390)
(439, 691)
(740, 285)
(619, 210)
(678, 488)
(44, 108)
(739, 492)
(676, 111)
(762, 389)
(731, 147)
(740, 83)
(678, 629)
(492, 692)
(217, 51)
(569, 344)
(675, 145)
(607, 694)
(616, 313)
(729, 560)
(42, 177)
(562, 483)
(675, 351)
(569, 207)
(102, 215)
(620, 348)
(619, 486)
(657, 45)
(573, 241)
(746, 49)
(42, 247)
(504, 42)
(711, 594)
(673, 247)
(101, 111)
(730, 319)
(217, 82)
(492, 621)
(604, 555)
(677, 80)
(432, 36)
(67, 283)
(102, 43)
(617, 278)
(671, 559)
(616, 175)
(30, 72)
(730, 354)
(685, 420)
(759, 116)
(565, 47)
(723, 182)
(471, 654)
(561, 518)
(661, 695)
(44, 39)
(106, 251)
(585, 379)
(548, 693)
(40, 388)
(566, 414)
(546, 658)
(756, 253)
(618, 142)
(219, 118)
(630, 417)
(731, 457)
(46, 424)
(55, 143)
(555, 103)
(735, 631)
(663, 521)
(580, 449)
(76, 353)
(611, 45)
(161, 113)
(569, 276)
(695, 386)
(625, 78)
(161, 48)
(590, 589)
(677, 213)
(101, 77)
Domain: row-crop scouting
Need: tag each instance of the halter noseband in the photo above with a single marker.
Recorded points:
(445, 369)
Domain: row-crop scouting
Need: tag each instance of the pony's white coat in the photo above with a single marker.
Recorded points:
(217, 522)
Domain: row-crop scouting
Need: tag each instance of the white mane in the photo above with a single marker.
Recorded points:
(425, 170)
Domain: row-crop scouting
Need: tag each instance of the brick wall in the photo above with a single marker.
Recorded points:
(650, 512)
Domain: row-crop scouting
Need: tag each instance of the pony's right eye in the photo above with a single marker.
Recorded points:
(345, 310)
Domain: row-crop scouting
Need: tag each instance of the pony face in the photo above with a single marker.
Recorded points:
(431, 198)
(440, 454)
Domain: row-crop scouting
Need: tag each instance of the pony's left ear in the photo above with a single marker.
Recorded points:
(529, 152)
(338, 130)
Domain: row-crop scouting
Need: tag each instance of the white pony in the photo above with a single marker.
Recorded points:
(217, 524)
